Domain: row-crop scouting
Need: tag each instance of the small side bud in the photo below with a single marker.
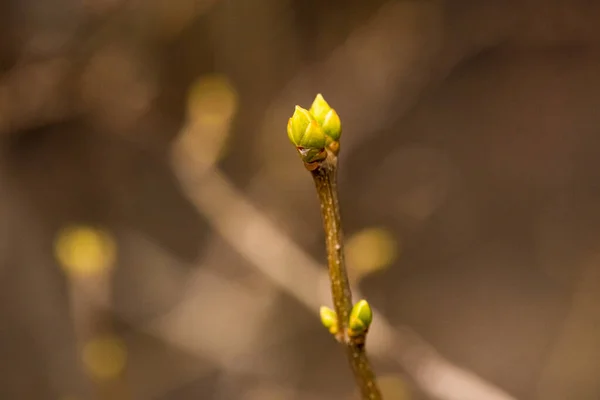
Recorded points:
(329, 319)
(360, 319)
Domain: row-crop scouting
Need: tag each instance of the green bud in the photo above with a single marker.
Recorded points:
(303, 131)
(329, 319)
(307, 135)
(297, 125)
(361, 317)
(313, 138)
(319, 108)
(327, 117)
(332, 125)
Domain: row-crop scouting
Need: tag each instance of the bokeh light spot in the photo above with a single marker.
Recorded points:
(370, 250)
(212, 103)
(104, 357)
(84, 251)
(212, 98)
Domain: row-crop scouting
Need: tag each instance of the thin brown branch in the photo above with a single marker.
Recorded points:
(325, 177)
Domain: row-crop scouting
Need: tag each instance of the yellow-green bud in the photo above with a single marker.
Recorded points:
(360, 319)
(332, 125)
(304, 131)
(307, 135)
(319, 108)
(327, 117)
(329, 319)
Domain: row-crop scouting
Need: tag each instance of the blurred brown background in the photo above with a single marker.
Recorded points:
(160, 239)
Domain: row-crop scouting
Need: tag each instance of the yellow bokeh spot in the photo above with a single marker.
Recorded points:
(105, 357)
(393, 388)
(370, 250)
(212, 103)
(84, 251)
(212, 98)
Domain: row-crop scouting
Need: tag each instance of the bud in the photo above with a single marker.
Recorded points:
(329, 319)
(327, 118)
(304, 131)
(307, 135)
(332, 125)
(319, 108)
(360, 319)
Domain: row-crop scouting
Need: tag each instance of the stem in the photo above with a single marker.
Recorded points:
(325, 177)
(363, 373)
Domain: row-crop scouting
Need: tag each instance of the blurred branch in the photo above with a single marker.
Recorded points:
(573, 362)
(245, 228)
(45, 90)
(36, 94)
(92, 321)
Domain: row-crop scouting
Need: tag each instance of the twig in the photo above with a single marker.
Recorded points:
(289, 267)
(325, 177)
(316, 135)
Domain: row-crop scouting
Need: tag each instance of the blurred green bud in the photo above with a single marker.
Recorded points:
(327, 118)
(361, 317)
(329, 319)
